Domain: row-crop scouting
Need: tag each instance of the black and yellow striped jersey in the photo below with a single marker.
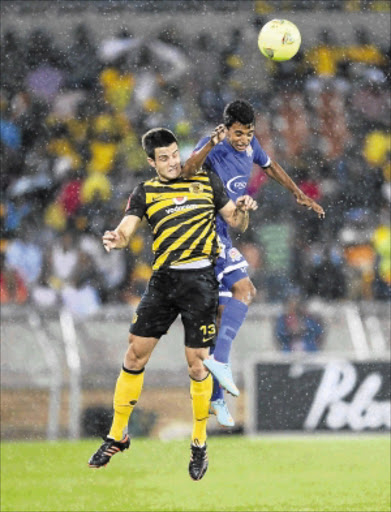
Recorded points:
(182, 215)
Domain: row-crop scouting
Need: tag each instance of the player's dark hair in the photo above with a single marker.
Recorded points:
(240, 111)
(157, 138)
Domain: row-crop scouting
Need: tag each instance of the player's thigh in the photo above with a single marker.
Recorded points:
(198, 305)
(231, 279)
(225, 295)
(233, 264)
(155, 312)
(230, 270)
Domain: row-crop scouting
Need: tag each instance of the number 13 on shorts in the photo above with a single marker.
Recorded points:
(208, 332)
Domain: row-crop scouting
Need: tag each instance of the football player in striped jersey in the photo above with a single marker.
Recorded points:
(182, 215)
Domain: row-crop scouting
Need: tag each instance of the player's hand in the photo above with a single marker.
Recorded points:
(304, 200)
(246, 203)
(218, 134)
(110, 240)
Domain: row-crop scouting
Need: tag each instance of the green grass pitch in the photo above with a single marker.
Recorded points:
(245, 474)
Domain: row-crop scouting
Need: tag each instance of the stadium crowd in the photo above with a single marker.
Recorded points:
(71, 124)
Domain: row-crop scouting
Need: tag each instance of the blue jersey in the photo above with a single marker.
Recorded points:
(234, 169)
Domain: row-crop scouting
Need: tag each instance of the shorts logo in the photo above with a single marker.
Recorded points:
(234, 254)
(134, 319)
(196, 188)
(180, 200)
(208, 332)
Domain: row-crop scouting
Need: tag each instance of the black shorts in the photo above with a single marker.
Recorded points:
(194, 294)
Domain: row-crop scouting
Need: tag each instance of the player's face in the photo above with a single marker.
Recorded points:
(240, 135)
(167, 162)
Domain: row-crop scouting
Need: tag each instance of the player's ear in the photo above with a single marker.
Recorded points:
(151, 162)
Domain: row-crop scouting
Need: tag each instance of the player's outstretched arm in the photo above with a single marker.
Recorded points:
(120, 237)
(237, 216)
(276, 172)
(195, 161)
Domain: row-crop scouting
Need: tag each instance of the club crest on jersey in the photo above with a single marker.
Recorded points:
(196, 188)
(180, 200)
(234, 254)
(249, 150)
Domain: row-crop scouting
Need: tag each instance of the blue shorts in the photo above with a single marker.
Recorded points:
(230, 268)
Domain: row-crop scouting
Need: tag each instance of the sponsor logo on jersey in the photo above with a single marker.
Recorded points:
(180, 200)
(182, 207)
(236, 185)
(234, 254)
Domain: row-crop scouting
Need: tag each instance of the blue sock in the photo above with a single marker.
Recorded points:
(232, 318)
(218, 391)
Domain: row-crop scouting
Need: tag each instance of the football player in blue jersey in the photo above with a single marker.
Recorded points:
(232, 158)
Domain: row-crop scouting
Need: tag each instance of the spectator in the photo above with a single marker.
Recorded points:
(12, 62)
(82, 60)
(363, 49)
(70, 144)
(381, 241)
(63, 259)
(293, 125)
(298, 330)
(13, 289)
(81, 295)
(24, 254)
(43, 295)
(323, 57)
(111, 267)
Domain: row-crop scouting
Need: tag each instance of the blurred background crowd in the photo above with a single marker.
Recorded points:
(71, 122)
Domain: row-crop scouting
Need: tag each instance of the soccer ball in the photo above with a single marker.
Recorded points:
(279, 40)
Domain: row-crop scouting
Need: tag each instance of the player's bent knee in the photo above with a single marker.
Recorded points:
(133, 359)
(197, 370)
(195, 358)
(198, 373)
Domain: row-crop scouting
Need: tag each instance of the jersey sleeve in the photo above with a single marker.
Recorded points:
(220, 195)
(260, 156)
(136, 202)
(201, 143)
(208, 160)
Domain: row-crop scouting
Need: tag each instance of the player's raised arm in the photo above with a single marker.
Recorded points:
(237, 216)
(195, 161)
(120, 237)
(277, 173)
